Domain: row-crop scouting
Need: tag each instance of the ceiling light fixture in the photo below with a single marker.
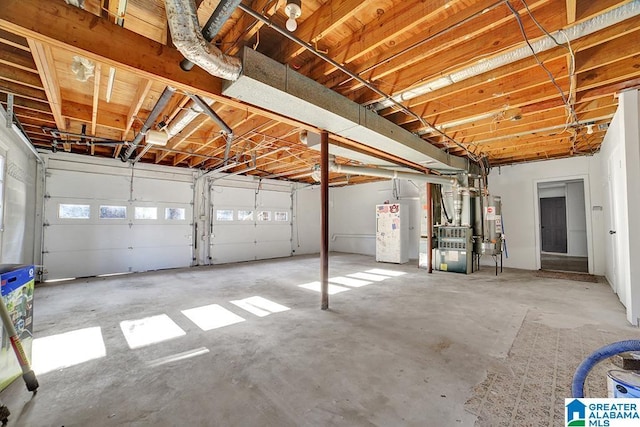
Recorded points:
(589, 128)
(293, 10)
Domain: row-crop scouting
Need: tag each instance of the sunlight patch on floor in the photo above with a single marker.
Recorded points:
(333, 289)
(150, 330)
(67, 349)
(212, 316)
(259, 306)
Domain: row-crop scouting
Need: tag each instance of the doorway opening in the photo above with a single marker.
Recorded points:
(563, 226)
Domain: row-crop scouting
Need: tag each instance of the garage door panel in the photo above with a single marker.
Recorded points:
(155, 258)
(161, 235)
(274, 199)
(228, 196)
(265, 250)
(78, 185)
(155, 190)
(273, 232)
(86, 237)
(85, 263)
(232, 252)
(234, 234)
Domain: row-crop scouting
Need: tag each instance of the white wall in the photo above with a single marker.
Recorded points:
(621, 159)
(518, 186)
(306, 220)
(576, 220)
(352, 215)
(18, 228)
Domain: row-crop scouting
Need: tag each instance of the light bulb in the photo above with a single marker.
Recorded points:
(589, 129)
(292, 25)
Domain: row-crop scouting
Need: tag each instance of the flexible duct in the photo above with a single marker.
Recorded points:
(217, 19)
(187, 37)
(185, 117)
(577, 385)
(572, 33)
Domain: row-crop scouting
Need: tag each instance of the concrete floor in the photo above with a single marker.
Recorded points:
(415, 350)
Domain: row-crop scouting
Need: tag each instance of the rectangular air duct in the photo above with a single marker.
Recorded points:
(275, 87)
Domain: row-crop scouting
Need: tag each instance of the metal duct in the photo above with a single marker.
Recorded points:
(572, 33)
(157, 109)
(275, 87)
(214, 116)
(187, 37)
(217, 19)
(391, 174)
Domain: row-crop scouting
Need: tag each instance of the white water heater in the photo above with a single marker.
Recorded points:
(392, 233)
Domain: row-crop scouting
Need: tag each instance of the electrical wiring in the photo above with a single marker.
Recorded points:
(565, 100)
(572, 65)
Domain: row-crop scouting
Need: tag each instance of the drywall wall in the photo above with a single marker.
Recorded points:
(518, 186)
(18, 211)
(352, 215)
(576, 220)
(620, 158)
(306, 220)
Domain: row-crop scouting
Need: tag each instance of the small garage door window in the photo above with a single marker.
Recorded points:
(71, 211)
(145, 212)
(281, 216)
(113, 212)
(245, 215)
(224, 215)
(178, 214)
(264, 216)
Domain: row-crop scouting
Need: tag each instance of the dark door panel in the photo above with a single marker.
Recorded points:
(553, 221)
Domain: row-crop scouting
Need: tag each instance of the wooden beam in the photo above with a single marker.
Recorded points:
(16, 41)
(29, 104)
(84, 113)
(22, 77)
(85, 34)
(615, 72)
(571, 11)
(81, 32)
(390, 28)
(324, 20)
(97, 76)
(138, 99)
(17, 58)
(22, 91)
(625, 46)
(247, 27)
(43, 58)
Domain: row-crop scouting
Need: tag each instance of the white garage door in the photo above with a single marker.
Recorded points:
(101, 221)
(250, 224)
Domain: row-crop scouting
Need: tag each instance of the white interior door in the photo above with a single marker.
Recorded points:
(612, 241)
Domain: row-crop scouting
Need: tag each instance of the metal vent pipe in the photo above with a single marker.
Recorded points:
(391, 174)
(157, 109)
(187, 37)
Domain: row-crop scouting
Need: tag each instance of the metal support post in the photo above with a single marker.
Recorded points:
(324, 228)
